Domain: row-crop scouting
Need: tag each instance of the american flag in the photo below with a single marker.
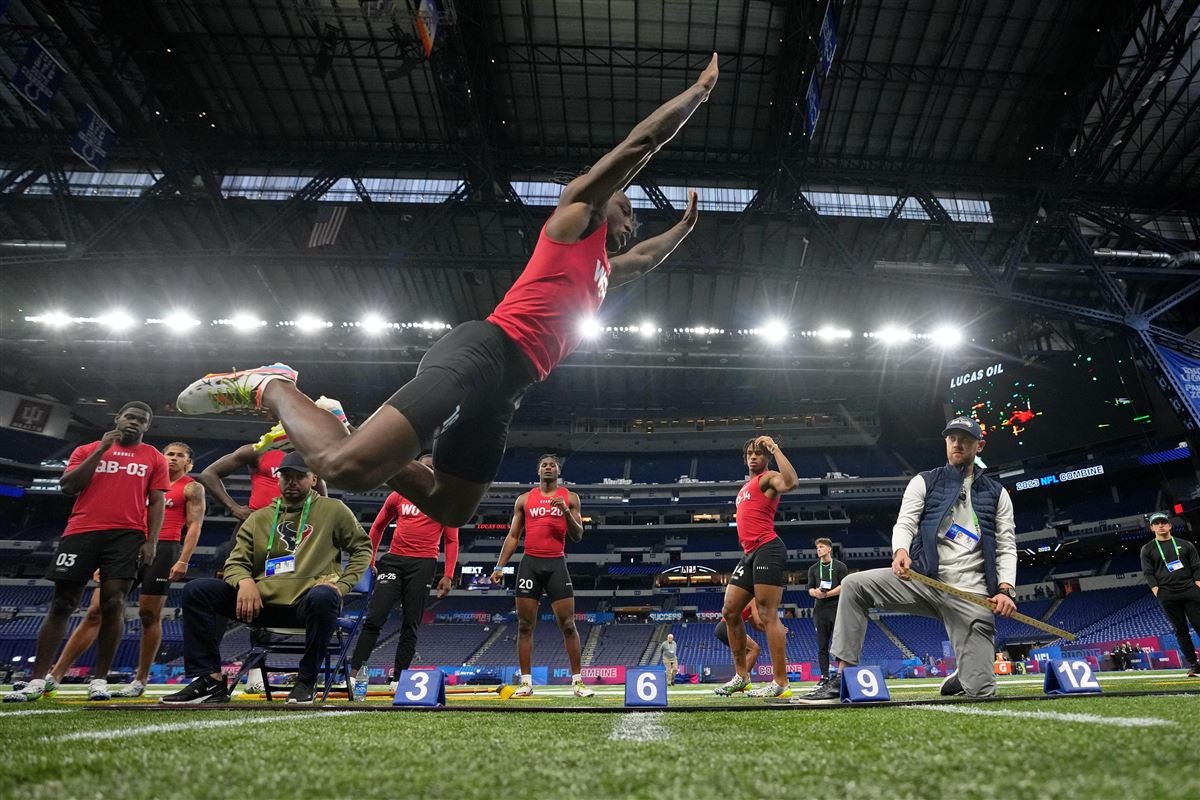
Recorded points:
(328, 225)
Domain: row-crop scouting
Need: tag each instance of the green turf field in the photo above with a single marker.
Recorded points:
(1127, 747)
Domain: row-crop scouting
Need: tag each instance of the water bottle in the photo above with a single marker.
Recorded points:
(361, 683)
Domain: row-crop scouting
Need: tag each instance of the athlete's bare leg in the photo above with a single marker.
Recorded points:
(112, 623)
(150, 608)
(736, 600)
(767, 597)
(750, 655)
(564, 613)
(527, 609)
(83, 637)
(67, 595)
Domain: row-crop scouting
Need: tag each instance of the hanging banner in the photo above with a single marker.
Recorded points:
(34, 415)
(812, 104)
(94, 138)
(827, 38)
(38, 78)
(1186, 370)
(429, 16)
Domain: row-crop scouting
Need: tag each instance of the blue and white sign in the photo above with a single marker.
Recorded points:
(863, 685)
(645, 688)
(812, 104)
(1070, 676)
(94, 138)
(1186, 371)
(38, 78)
(420, 687)
(827, 38)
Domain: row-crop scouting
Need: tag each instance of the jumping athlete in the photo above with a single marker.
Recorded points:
(404, 575)
(547, 514)
(470, 383)
(760, 575)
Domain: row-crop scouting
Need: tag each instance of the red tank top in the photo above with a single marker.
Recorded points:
(264, 480)
(562, 285)
(755, 515)
(174, 511)
(545, 525)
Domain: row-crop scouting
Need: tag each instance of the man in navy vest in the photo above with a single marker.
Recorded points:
(955, 524)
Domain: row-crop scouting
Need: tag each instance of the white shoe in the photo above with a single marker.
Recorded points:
(135, 689)
(28, 693)
(98, 690)
(277, 438)
(231, 391)
(524, 690)
(581, 689)
(254, 682)
(735, 684)
(772, 689)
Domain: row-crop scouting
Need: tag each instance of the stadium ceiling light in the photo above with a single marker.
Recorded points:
(54, 319)
(893, 335)
(590, 328)
(245, 322)
(310, 323)
(175, 322)
(116, 320)
(831, 334)
(775, 331)
(373, 324)
(946, 336)
(648, 329)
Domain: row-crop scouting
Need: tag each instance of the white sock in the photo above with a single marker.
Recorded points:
(526, 680)
(577, 678)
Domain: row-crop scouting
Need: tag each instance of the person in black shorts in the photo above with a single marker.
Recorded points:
(120, 484)
(825, 586)
(470, 383)
(547, 515)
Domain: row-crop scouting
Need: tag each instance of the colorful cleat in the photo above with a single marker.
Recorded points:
(135, 689)
(524, 690)
(98, 690)
(231, 391)
(277, 438)
(772, 689)
(734, 685)
(581, 689)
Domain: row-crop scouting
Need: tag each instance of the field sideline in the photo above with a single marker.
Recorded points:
(1140, 746)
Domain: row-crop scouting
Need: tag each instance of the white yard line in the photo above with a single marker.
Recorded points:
(1086, 719)
(194, 725)
(32, 712)
(640, 726)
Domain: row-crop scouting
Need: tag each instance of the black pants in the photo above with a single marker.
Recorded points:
(824, 618)
(403, 581)
(1182, 607)
(209, 604)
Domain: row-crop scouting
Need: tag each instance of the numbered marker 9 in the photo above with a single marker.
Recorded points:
(1070, 676)
(420, 687)
(645, 688)
(863, 685)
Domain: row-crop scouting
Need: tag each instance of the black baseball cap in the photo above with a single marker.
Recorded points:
(294, 461)
(1159, 516)
(965, 425)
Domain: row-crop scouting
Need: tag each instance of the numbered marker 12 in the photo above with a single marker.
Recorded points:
(645, 688)
(863, 685)
(1070, 676)
(420, 687)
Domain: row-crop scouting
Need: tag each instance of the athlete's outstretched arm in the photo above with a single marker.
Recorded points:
(618, 167)
(213, 478)
(647, 255)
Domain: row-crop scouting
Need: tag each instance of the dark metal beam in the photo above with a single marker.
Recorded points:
(940, 217)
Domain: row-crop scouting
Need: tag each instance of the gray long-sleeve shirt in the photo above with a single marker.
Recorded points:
(956, 565)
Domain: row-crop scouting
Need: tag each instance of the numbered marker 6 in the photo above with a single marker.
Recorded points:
(420, 687)
(863, 685)
(1070, 676)
(645, 688)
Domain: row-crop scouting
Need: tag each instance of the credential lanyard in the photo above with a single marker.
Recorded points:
(1160, 552)
(299, 530)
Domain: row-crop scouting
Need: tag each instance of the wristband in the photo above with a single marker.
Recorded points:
(497, 568)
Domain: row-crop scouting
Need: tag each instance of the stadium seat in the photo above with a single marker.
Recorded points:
(290, 641)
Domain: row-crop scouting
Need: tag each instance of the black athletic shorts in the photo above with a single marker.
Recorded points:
(536, 575)
(114, 553)
(465, 392)
(155, 578)
(765, 564)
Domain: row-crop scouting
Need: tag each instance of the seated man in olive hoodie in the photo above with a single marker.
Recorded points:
(285, 571)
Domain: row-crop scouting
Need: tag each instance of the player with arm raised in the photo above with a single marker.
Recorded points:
(470, 383)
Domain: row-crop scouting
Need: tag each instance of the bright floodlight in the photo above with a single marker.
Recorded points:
(179, 322)
(55, 319)
(116, 320)
(309, 323)
(373, 324)
(648, 329)
(774, 331)
(590, 328)
(893, 335)
(246, 322)
(831, 334)
(947, 336)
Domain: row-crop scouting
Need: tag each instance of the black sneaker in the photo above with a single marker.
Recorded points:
(829, 691)
(952, 686)
(1194, 671)
(204, 689)
(302, 692)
